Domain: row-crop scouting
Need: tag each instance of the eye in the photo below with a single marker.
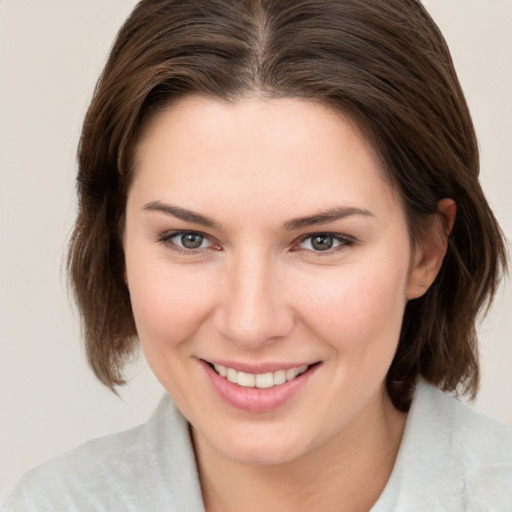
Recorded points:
(324, 242)
(185, 241)
(189, 240)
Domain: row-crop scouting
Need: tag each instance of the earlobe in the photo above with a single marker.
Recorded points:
(430, 251)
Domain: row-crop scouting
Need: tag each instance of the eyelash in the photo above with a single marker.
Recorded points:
(166, 239)
(344, 241)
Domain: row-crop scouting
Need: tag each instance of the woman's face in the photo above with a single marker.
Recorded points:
(262, 237)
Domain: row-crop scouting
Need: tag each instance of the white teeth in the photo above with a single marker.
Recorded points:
(261, 380)
(221, 370)
(279, 377)
(292, 373)
(232, 375)
(245, 379)
(265, 380)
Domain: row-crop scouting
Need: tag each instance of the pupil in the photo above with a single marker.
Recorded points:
(322, 242)
(191, 240)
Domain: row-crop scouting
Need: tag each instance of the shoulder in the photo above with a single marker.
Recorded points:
(478, 449)
(147, 468)
(451, 458)
(74, 480)
(473, 437)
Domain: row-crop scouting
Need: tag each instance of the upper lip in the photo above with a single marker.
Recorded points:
(258, 368)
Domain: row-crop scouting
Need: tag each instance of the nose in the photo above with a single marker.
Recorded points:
(253, 310)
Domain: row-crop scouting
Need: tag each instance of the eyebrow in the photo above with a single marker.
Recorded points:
(183, 214)
(326, 216)
(323, 217)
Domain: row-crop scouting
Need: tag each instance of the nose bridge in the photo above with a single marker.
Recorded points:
(254, 310)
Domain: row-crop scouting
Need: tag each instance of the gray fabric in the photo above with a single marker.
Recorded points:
(451, 459)
(149, 468)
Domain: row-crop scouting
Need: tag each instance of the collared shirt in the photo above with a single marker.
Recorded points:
(451, 459)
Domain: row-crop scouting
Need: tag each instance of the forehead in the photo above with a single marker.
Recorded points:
(262, 154)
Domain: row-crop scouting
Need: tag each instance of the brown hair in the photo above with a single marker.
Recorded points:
(382, 62)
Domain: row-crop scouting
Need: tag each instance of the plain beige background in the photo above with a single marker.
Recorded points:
(51, 53)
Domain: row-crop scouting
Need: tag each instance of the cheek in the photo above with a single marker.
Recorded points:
(168, 303)
(357, 306)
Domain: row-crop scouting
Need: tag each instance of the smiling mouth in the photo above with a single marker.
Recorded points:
(260, 380)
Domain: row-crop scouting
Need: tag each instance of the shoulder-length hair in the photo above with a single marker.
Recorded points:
(384, 63)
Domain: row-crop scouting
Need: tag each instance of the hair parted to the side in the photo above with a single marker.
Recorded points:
(384, 63)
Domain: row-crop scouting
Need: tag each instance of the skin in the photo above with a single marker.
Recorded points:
(256, 291)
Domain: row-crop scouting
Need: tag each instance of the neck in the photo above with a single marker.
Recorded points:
(347, 473)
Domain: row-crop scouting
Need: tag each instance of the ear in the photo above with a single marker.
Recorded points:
(429, 252)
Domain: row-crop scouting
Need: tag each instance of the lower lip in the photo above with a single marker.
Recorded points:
(255, 399)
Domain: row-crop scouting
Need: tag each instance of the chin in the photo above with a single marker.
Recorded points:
(260, 448)
(263, 454)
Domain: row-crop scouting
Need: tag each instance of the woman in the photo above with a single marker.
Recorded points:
(280, 201)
